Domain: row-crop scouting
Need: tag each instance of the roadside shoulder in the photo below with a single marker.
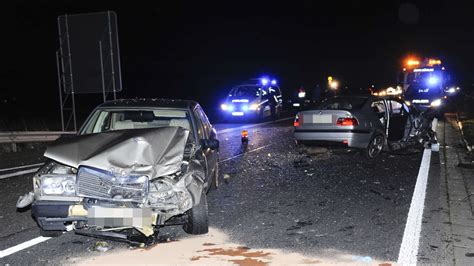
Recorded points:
(459, 187)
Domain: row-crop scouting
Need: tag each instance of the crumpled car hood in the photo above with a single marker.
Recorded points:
(153, 152)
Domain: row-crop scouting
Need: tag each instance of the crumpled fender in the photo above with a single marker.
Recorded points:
(194, 180)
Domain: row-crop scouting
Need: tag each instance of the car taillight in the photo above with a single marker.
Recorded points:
(347, 121)
(296, 123)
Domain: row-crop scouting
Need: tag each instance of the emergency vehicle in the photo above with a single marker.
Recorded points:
(256, 99)
(425, 83)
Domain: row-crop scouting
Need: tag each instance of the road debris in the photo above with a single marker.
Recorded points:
(100, 246)
(226, 178)
(300, 163)
(25, 200)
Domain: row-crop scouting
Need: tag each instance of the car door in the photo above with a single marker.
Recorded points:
(205, 132)
(398, 120)
(379, 108)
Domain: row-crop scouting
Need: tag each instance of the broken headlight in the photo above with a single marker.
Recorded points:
(60, 185)
(55, 179)
(161, 189)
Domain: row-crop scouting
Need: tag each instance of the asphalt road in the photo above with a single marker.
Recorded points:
(277, 196)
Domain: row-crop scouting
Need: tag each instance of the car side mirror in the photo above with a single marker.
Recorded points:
(212, 144)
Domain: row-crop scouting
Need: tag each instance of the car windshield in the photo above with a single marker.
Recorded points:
(342, 103)
(245, 91)
(119, 119)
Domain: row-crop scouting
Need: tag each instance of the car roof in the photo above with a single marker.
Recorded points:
(150, 102)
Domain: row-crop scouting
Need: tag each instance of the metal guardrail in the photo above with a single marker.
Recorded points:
(15, 137)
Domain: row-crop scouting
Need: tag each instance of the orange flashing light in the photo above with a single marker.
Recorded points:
(412, 62)
(432, 62)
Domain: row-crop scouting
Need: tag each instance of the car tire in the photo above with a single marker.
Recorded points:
(49, 233)
(215, 182)
(375, 146)
(198, 219)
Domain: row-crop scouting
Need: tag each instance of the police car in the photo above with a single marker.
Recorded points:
(257, 99)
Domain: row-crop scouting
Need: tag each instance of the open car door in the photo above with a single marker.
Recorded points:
(400, 122)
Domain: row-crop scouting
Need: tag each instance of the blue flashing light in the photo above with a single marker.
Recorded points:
(245, 107)
(264, 81)
(433, 80)
(274, 82)
(230, 108)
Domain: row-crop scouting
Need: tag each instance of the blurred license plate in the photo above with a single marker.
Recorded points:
(322, 119)
(237, 113)
(118, 217)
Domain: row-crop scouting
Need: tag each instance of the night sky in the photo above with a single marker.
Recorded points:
(198, 49)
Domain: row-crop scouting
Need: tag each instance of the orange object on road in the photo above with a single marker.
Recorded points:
(245, 136)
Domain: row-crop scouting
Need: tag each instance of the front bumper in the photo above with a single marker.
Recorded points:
(353, 139)
(54, 215)
(250, 114)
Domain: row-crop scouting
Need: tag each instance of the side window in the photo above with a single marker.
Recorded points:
(206, 123)
(199, 126)
(378, 107)
(203, 126)
(396, 107)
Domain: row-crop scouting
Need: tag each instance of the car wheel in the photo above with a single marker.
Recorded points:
(198, 222)
(215, 182)
(49, 233)
(375, 146)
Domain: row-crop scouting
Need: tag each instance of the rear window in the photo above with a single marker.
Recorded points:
(342, 103)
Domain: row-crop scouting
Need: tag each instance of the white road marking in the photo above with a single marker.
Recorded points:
(252, 125)
(20, 167)
(29, 171)
(24, 245)
(411, 237)
(238, 155)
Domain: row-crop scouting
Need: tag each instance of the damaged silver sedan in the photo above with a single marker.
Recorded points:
(135, 166)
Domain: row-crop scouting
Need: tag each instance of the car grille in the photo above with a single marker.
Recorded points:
(99, 184)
